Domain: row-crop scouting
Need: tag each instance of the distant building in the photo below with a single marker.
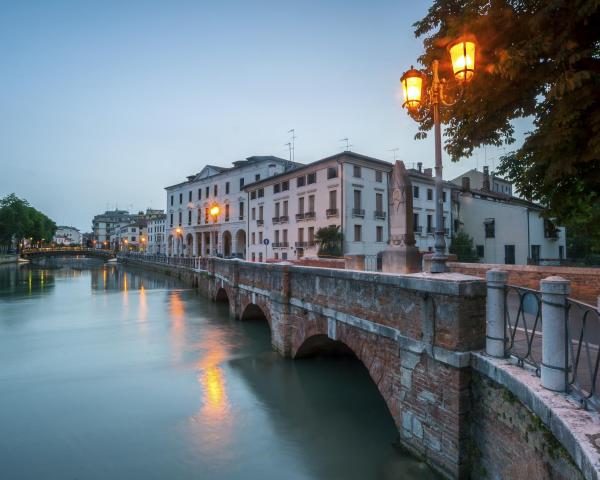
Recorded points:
(508, 229)
(191, 230)
(107, 224)
(156, 234)
(486, 181)
(67, 236)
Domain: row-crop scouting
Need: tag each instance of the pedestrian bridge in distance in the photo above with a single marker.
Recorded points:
(31, 253)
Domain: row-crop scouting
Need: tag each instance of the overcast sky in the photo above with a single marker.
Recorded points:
(106, 103)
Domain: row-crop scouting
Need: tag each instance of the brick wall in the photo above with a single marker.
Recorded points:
(585, 282)
(508, 441)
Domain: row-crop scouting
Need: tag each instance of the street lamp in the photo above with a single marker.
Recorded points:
(421, 101)
(214, 213)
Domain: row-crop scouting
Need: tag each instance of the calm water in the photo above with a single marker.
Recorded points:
(115, 373)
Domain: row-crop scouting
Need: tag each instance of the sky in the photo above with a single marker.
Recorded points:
(106, 103)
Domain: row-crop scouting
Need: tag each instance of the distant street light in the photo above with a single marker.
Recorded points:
(462, 55)
(214, 213)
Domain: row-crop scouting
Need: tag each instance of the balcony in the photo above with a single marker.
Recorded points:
(284, 219)
(309, 216)
(305, 244)
(275, 220)
(358, 212)
(281, 244)
(260, 222)
(241, 217)
(430, 230)
(332, 212)
(379, 215)
(299, 217)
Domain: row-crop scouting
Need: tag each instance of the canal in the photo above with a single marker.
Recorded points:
(114, 372)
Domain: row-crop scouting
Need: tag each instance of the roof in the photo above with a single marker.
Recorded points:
(490, 195)
(346, 154)
(429, 179)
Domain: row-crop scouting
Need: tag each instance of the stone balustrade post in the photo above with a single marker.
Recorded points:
(495, 332)
(555, 362)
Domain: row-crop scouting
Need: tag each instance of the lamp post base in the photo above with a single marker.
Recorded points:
(438, 263)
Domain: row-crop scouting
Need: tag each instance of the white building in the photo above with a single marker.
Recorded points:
(508, 229)
(106, 225)
(346, 190)
(156, 234)
(190, 228)
(485, 181)
(67, 236)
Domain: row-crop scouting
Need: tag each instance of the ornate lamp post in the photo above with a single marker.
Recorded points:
(214, 213)
(462, 54)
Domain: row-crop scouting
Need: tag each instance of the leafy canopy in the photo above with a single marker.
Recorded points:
(536, 59)
(330, 241)
(462, 246)
(20, 220)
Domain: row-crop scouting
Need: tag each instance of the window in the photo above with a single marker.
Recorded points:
(277, 188)
(490, 228)
(285, 208)
(332, 199)
(415, 191)
(535, 253)
(253, 238)
(189, 217)
(285, 186)
(284, 256)
(311, 203)
(257, 177)
(260, 237)
(241, 207)
(311, 235)
(444, 197)
(301, 235)
(276, 236)
(179, 218)
(180, 198)
(241, 183)
(331, 173)
(285, 236)
(276, 255)
(356, 171)
(357, 199)
(190, 196)
(199, 215)
(227, 212)
(215, 190)
(379, 234)
(301, 205)
(260, 257)
(311, 178)
(207, 192)
(171, 217)
(171, 201)
(253, 213)
(277, 209)
(429, 194)
(429, 223)
(357, 233)
(253, 195)
(379, 202)
(199, 194)
(260, 212)
(301, 181)
(480, 251)
(226, 188)
(378, 176)
(509, 254)
(561, 252)
(253, 256)
(261, 192)
(206, 213)
(133, 239)
(416, 221)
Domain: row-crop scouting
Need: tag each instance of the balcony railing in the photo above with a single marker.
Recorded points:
(281, 244)
(299, 217)
(260, 222)
(284, 219)
(430, 230)
(305, 244)
(379, 215)
(358, 212)
(309, 216)
(275, 220)
(332, 212)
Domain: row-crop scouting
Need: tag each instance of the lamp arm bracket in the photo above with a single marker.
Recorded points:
(450, 101)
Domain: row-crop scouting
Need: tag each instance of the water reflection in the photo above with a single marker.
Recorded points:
(17, 282)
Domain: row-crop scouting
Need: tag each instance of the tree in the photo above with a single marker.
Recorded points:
(462, 247)
(537, 60)
(330, 240)
(20, 220)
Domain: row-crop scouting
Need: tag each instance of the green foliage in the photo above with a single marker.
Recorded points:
(462, 247)
(20, 220)
(330, 241)
(536, 60)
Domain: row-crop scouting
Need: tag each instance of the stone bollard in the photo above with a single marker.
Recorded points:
(495, 332)
(555, 291)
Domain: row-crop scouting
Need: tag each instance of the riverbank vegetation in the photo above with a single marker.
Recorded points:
(19, 220)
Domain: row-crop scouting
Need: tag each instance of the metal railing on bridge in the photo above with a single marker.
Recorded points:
(196, 263)
(556, 335)
(82, 250)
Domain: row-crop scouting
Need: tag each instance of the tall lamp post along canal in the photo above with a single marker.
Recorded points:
(421, 101)
(214, 213)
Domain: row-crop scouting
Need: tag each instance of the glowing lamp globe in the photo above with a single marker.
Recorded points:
(214, 211)
(462, 54)
(412, 87)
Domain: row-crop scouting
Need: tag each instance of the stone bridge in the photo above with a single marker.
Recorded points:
(417, 336)
(30, 253)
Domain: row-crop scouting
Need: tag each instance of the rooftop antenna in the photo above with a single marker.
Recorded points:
(293, 146)
(289, 145)
(394, 150)
(347, 143)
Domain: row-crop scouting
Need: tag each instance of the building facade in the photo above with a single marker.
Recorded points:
(107, 224)
(67, 236)
(486, 181)
(156, 234)
(191, 228)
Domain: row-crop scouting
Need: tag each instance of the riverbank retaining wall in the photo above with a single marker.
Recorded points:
(415, 334)
(4, 258)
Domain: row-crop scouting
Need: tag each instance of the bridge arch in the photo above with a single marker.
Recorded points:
(222, 296)
(189, 245)
(240, 242)
(226, 244)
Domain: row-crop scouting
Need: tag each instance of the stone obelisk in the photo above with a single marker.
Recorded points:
(401, 256)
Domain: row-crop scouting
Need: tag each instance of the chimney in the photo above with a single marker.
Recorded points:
(428, 172)
(486, 179)
(466, 184)
(419, 166)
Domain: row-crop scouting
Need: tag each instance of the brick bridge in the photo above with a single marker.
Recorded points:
(415, 334)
